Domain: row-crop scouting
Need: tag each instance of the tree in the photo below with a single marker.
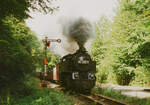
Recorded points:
(52, 59)
(16, 55)
(127, 48)
(18, 45)
(100, 45)
(20, 8)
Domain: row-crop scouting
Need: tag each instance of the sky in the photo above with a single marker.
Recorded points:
(50, 24)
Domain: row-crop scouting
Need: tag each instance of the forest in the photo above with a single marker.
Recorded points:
(121, 49)
(21, 52)
(122, 46)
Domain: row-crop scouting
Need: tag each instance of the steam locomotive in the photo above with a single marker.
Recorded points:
(74, 72)
(77, 71)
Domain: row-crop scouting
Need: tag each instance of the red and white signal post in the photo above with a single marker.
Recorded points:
(47, 43)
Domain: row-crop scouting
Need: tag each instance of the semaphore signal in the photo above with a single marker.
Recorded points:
(47, 43)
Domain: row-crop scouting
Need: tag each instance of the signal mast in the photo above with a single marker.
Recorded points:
(47, 43)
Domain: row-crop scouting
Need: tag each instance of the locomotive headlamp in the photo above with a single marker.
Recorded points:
(82, 60)
(64, 60)
(75, 75)
(91, 76)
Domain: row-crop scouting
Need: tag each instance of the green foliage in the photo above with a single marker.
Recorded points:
(101, 76)
(16, 7)
(122, 47)
(20, 8)
(103, 29)
(124, 74)
(52, 59)
(44, 97)
(36, 96)
(130, 35)
(141, 77)
(20, 57)
(99, 47)
(16, 45)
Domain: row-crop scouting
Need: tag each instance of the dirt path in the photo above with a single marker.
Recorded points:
(130, 91)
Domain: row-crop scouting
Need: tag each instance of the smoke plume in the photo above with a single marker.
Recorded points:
(77, 31)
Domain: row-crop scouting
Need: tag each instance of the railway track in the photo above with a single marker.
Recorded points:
(93, 99)
(96, 99)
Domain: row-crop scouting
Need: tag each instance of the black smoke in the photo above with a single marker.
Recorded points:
(79, 30)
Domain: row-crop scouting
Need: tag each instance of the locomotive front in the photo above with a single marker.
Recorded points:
(77, 71)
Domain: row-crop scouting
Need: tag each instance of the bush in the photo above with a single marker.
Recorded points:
(124, 75)
(101, 76)
(43, 97)
(142, 77)
(32, 95)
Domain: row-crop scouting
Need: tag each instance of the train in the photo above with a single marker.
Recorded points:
(74, 72)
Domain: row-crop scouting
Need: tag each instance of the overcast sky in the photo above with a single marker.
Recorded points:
(91, 9)
(49, 25)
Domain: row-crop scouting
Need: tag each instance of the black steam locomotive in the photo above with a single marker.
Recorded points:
(77, 71)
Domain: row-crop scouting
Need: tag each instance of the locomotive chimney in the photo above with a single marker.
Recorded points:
(81, 48)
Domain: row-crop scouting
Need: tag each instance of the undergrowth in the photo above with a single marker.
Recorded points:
(36, 96)
(44, 97)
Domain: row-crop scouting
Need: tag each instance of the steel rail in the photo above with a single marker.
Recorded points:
(102, 100)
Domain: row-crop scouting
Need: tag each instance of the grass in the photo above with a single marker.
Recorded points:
(117, 95)
(43, 97)
(31, 94)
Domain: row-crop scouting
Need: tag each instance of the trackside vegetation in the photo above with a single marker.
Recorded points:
(122, 46)
(20, 52)
(38, 96)
(44, 97)
(122, 49)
